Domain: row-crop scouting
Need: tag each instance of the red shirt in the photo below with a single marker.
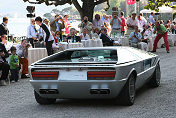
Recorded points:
(123, 23)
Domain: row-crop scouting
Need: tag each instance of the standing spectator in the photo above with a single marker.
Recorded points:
(97, 22)
(131, 23)
(84, 35)
(3, 27)
(48, 37)
(123, 23)
(107, 24)
(14, 65)
(141, 15)
(87, 25)
(4, 66)
(32, 33)
(161, 32)
(46, 22)
(174, 19)
(151, 18)
(141, 23)
(73, 36)
(116, 23)
(104, 18)
(67, 25)
(22, 52)
(56, 25)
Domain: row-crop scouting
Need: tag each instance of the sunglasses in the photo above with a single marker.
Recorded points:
(57, 34)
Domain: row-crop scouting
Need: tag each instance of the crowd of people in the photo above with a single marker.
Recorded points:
(138, 30)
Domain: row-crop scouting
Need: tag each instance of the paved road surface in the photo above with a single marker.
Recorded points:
(17, 100)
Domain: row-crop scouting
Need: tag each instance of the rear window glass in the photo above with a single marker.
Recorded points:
(84, 56)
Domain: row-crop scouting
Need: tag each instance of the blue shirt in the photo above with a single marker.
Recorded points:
(134, 40)
(116, 23)
(31, 32)
(57, 26)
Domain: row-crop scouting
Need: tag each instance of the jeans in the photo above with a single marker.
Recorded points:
(5, 70)
(14, 74)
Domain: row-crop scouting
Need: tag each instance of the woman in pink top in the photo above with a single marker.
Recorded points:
(67, 25)
(123, 24)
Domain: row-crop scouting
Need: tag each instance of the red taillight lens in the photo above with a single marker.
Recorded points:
(45, 74)
(91, 75)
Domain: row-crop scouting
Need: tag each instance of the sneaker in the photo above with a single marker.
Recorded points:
(168, 52)
(3, 83)
(23, 76)
(13, 81)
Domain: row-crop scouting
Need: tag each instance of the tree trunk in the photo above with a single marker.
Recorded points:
(88, 9)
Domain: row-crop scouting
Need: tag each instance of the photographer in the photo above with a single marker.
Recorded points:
(22, 52)
(87, 25)
(116, 25)
(56, 25)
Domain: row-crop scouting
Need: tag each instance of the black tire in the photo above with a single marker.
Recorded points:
(127, 95)
(155, 80)
(43, 101)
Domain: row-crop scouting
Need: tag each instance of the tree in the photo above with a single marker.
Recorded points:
(154, 4)
(86, 9)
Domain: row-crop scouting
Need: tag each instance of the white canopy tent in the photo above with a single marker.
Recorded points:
(163, 9)
(147, 11)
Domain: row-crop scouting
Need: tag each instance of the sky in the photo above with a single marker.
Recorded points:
(17, 8)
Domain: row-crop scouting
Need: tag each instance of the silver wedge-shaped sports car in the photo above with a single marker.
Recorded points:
(94, 73)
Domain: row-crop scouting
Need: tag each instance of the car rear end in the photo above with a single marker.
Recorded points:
(84, 79)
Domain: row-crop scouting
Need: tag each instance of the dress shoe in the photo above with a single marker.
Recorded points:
(23, 76)
(3, 83)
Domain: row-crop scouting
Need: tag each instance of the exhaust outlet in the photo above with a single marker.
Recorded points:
(48, 91)
(99, 91)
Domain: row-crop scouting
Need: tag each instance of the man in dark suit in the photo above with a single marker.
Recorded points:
(4, 66)
(107, 41)
(3, 27)
(73, 36)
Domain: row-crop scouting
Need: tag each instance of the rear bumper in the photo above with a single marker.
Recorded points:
(90, 89)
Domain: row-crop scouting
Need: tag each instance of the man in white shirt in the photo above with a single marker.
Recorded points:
(84, 35)
(32, 33)
(141, 23)
(97, 22)
(131, 23)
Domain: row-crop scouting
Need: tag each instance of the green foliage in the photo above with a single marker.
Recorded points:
(154, 4)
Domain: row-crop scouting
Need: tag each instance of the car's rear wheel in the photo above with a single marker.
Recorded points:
(42, 100)
(127, 95)
(155, 80)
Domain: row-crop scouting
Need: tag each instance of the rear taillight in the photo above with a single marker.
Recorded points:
(45, 75)
(101, 75)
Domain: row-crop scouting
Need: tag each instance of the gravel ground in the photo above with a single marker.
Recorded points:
(17, 100)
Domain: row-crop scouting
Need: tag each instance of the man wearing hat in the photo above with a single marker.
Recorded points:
(4, 66)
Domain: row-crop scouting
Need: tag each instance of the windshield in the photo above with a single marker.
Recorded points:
(83, 56)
